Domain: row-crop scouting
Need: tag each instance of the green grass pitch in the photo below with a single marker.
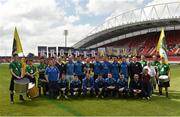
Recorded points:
(157, 106)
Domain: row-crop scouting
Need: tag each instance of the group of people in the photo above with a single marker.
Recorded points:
(98, 76)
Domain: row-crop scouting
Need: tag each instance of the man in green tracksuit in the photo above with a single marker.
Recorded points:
(163, 70)
(15, 68)
(42, 80)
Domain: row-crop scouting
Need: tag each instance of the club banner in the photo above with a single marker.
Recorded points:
(77, 52)
(67, 51)
(101, 51)
(93, 52)
(52, 51)
(61, 51)
(42, 51)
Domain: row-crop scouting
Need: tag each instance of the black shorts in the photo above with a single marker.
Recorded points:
(11, 87)
(164, 84)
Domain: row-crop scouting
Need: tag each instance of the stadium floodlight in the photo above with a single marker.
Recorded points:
(65, 37)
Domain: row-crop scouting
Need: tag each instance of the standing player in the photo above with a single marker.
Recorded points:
(31, 71)
(163, 70)
(42, 80)
(78, 68)
(106, 66)
(155, 63)
(15, 68)
(69, 69)
(143, 61)
(152, 73)
(146, 84)
(52, 76)
(135, 68)
(96, 67)
(115, 69)
(124, 69)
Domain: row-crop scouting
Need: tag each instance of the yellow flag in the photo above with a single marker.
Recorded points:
(162, 47)
(17, 47)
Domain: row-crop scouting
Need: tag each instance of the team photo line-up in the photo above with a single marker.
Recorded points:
(99, 76)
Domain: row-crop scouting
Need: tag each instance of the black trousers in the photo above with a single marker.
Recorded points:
(52, 89)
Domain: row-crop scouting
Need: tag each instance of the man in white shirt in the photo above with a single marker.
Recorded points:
(152, 73)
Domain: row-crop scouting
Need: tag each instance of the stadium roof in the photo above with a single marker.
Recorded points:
(154, 16)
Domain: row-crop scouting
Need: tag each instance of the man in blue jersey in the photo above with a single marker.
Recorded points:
(124, 68)
(99, 86)
(122, 86)
(78, 68)
(63, 86)
(97, 67)
(69, 69)
(115, 69)
(88, 84)
(106, 66)
(75, 86)
(52, 76)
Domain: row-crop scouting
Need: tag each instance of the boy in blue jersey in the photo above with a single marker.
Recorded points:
(99, 86)
(106, 66)
(110, 84)
(122, 86)
(52, 76)
(78, 68)
(75, 86)
(124, 68)
(88, 84)
(63, 84)
(115, 69)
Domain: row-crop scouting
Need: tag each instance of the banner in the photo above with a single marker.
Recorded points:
(61, 51)
(68, 51)
(42, 51)
(101, 51)
(52, 51)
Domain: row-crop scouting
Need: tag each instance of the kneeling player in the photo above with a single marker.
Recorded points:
(110, 84)
(136, 86)
(88, 84)
(99, 86)
(63, 84)
(122, 86)
(75, 86)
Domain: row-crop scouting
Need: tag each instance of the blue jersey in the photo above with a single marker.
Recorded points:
(115, 70)
(52, 73)
(99, 83)
(106, 66)
(63, 83)
(88, 83)
(110, 82)
(70, 68)
(75, 84)
(121, 83)
(124, 69)
(78, 68)
(97, 67)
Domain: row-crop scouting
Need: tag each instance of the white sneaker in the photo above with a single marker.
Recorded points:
(58, 97)
(66, 97)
